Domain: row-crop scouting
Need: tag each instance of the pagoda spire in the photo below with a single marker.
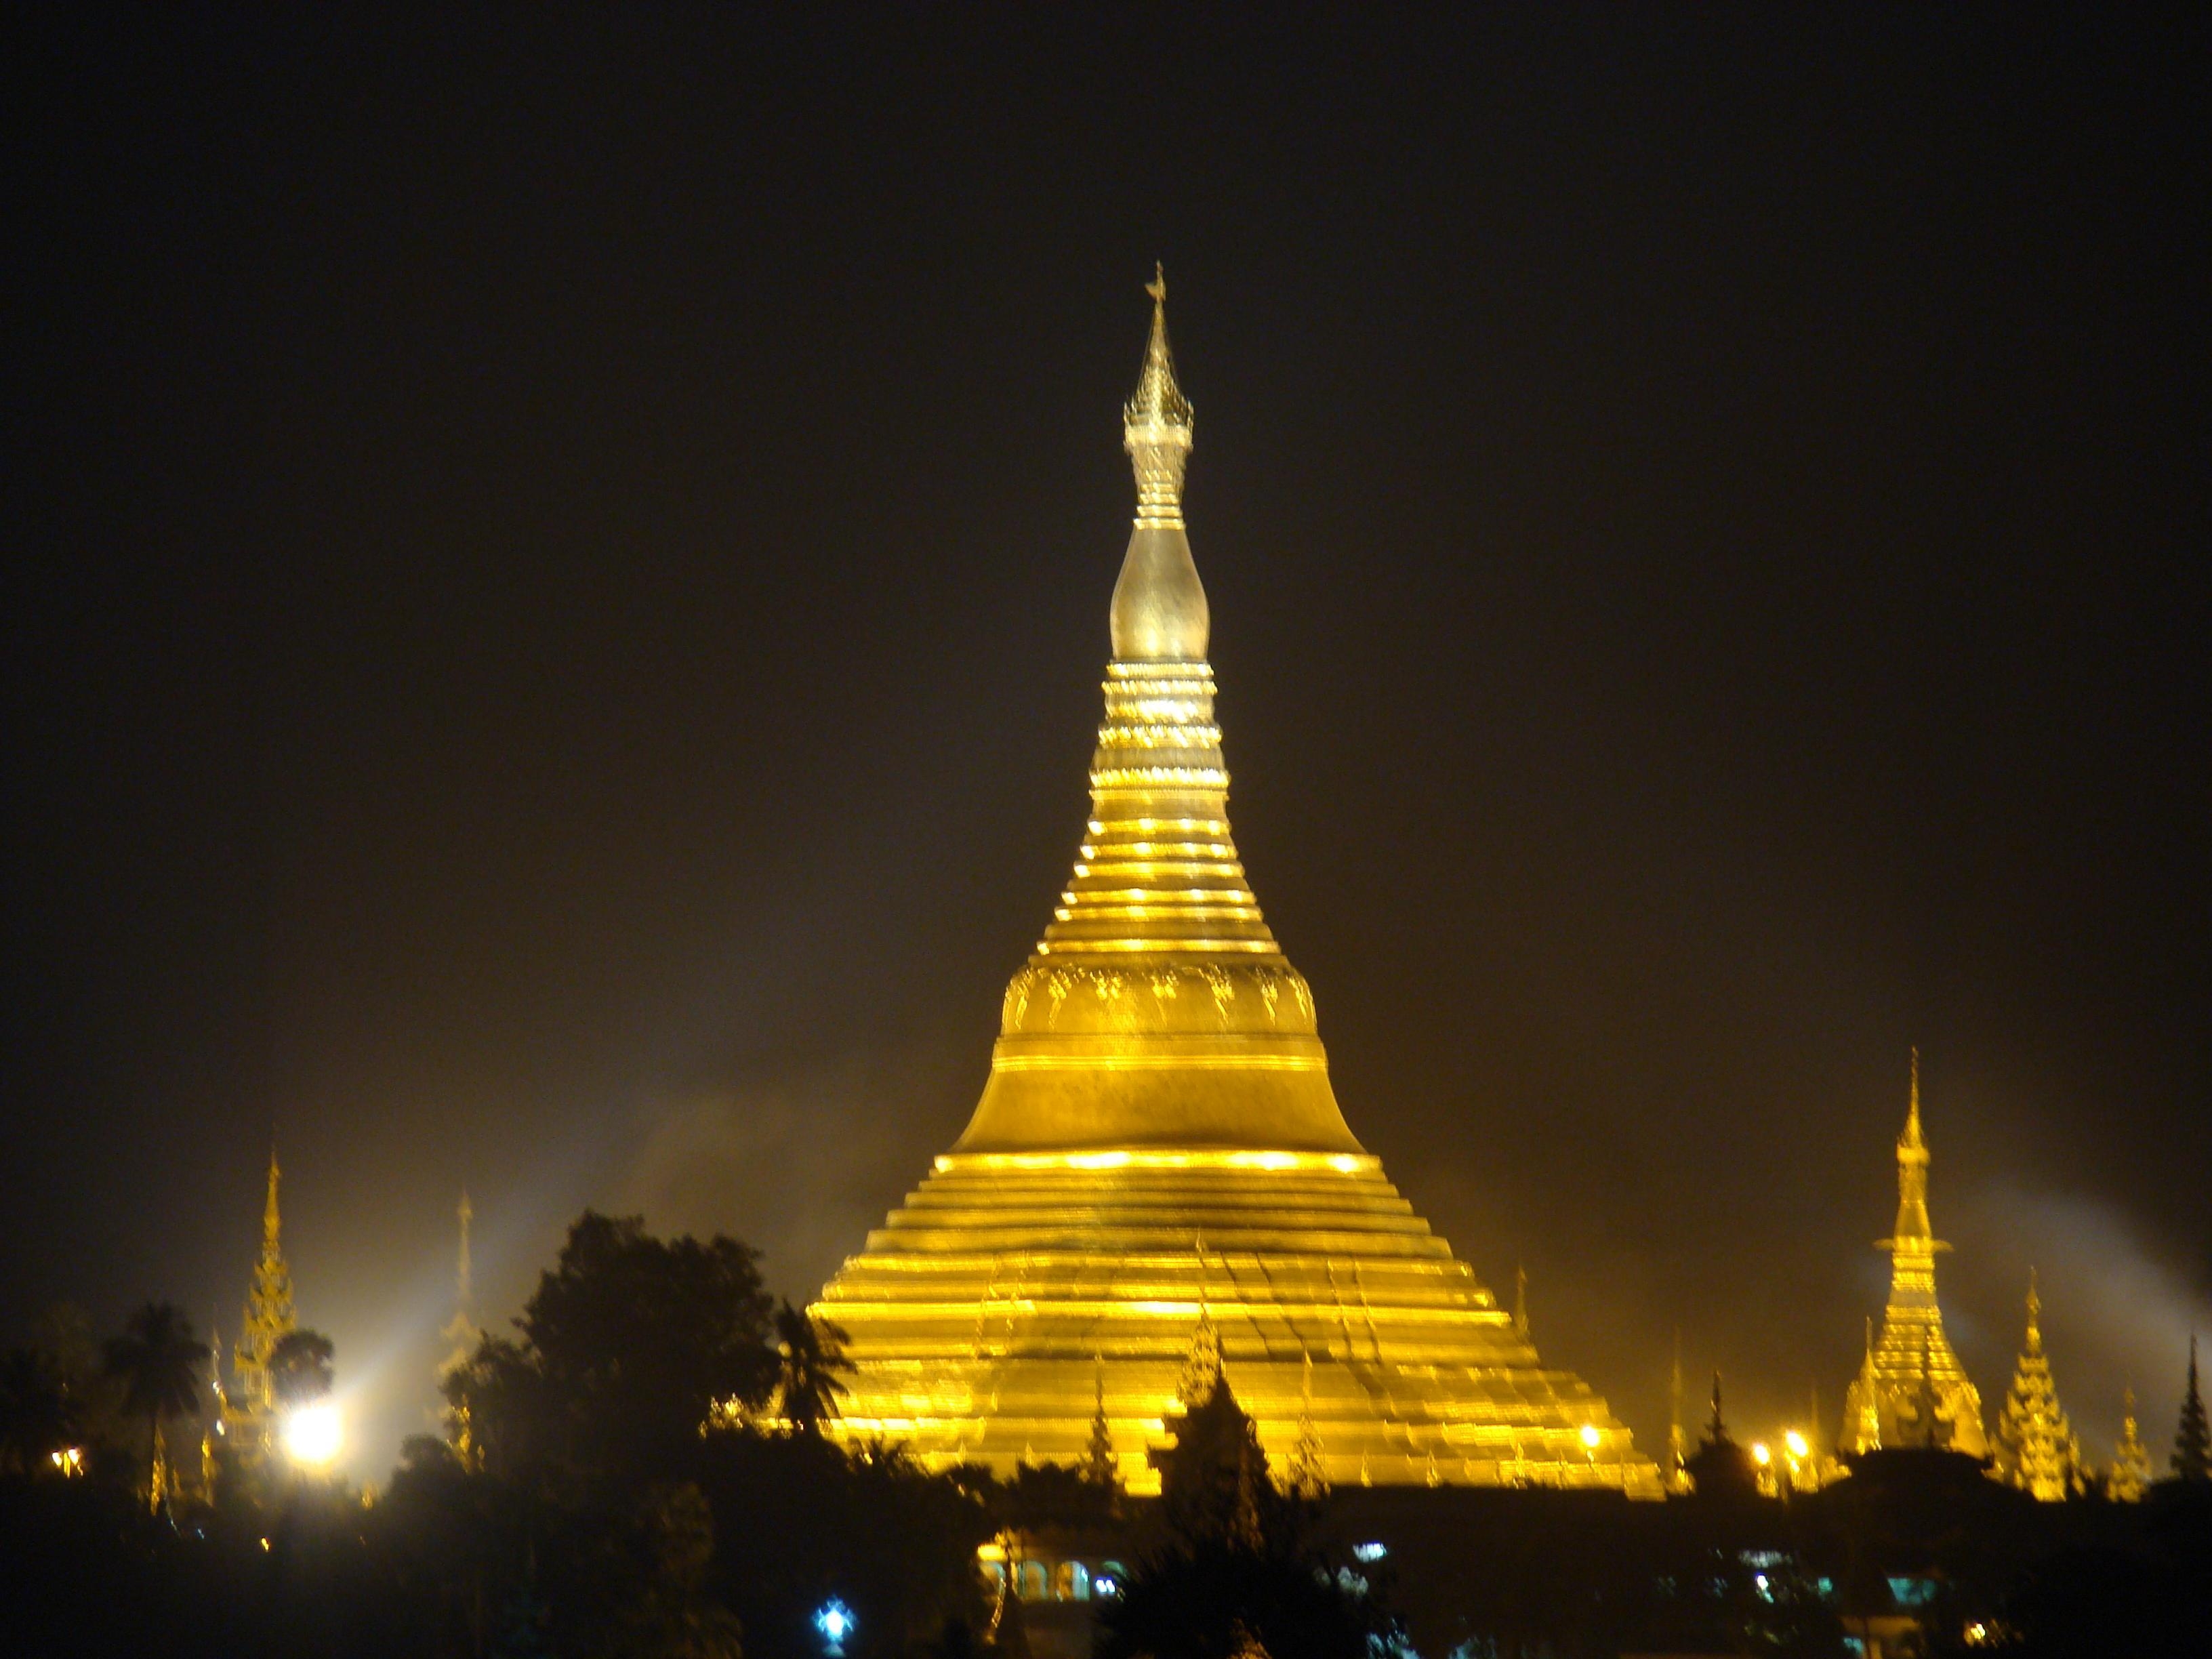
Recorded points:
(1157, 422)
(2192, 1440)
(1201, 1369)
(1913, 1228)
(2130, 1471)
(1915, 1382)
(1099, 1463)
(2036, 1448)
(269, 1318)
(1157, 965)
(1865, 1393)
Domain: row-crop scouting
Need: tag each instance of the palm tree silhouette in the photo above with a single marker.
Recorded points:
(811, 1363)
(158, 1356)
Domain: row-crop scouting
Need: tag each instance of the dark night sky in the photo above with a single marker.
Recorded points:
(559, 584)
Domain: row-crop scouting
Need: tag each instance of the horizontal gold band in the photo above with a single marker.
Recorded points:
(1146, 1158)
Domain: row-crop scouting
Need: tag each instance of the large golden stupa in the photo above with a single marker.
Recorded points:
(1158, 1161)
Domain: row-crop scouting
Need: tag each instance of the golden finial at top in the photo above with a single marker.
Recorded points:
(1157, 420)
(1912, 1141)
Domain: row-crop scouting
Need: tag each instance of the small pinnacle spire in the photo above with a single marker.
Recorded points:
(1520, 1298)
(1156, 422)
(269, 1216)
(2034, 1315)
(1912, 1112)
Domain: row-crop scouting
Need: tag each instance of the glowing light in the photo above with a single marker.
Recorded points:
(1589, 1437)
(70, 1460)
(1796, 1444)
(835, 1620)
(1760, 1455)
(1370, 1551)
(313, 1435)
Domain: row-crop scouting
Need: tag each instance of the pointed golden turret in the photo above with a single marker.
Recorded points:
(1158, 1078)
(250, 1413)
(1912, 1391)
(2131, 1470)
(2037, 1450)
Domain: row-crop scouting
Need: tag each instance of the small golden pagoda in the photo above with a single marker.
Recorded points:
(2131, 1470)
(248, 1411)
(1158, 1162)
(1911, 1390)
(2037, 1450)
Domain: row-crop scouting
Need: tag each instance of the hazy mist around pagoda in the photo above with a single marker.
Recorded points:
(1158, 1163)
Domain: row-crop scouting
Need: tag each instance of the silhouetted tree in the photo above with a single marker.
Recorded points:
(811, 1368)
(628, 1344)
(1213, 1476)
(158, 1359)
(299, 1367)
(514, 1423)
(1235, 1569)
(2192, 1441)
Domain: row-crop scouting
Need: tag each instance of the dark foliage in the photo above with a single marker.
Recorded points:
(1210, 1600)
(37, 1417)
(1213, 1476)
(811, 1368)
(157, 1359)
(301, 1367)
(628, 1344)
(1235, 1566)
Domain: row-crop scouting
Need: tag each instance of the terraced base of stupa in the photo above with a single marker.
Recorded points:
(990, 1311)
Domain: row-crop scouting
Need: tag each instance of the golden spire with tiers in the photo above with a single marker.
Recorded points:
(1912, 1391)
(2131, 1470)
(1158, 1163)
(2037, 1450)
(250, 1413)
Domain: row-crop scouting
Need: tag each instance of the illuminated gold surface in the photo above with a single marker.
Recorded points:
(249, 1411)
(1158, 1143)
(1911, 1390)
(2036, 1449)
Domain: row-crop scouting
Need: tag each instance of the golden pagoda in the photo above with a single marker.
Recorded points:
(249, 1411)
(2037, 1450)
(1911, 1390)
(2130, 1471)
(1158, 1164)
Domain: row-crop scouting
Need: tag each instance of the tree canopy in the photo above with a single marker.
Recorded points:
(628, 1344)
(301, 1367)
